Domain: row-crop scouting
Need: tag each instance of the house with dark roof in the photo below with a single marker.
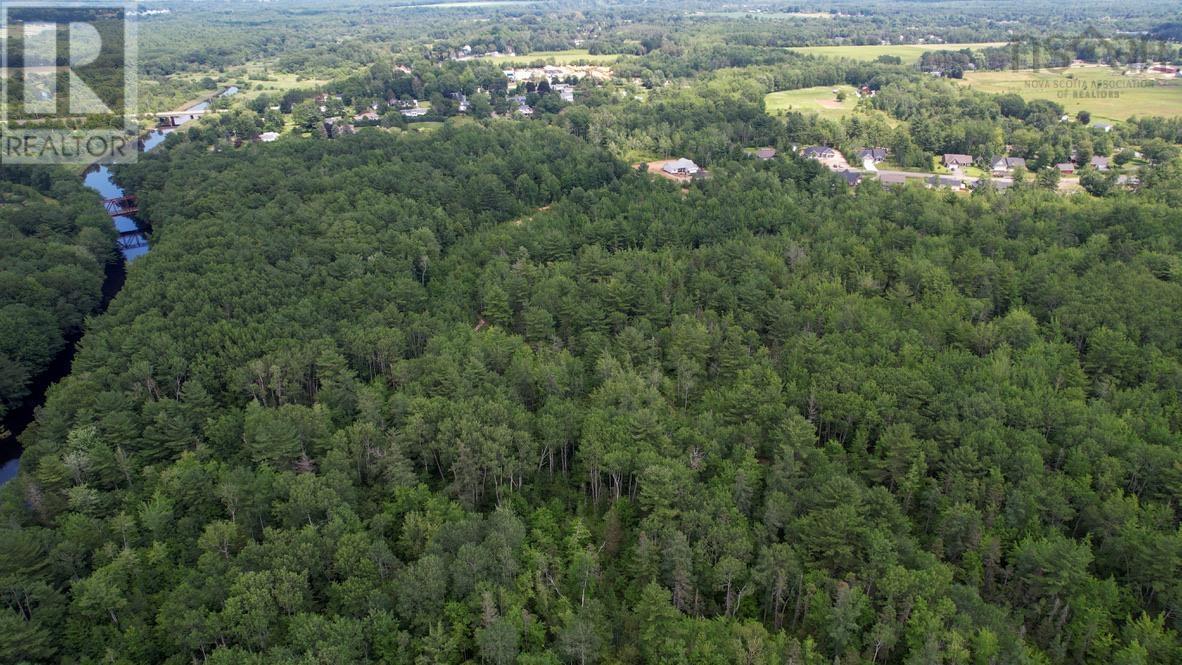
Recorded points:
(944, 181)
(851, 177)
(956, 162)
(876, 155)
(892, 179)
(819, 152)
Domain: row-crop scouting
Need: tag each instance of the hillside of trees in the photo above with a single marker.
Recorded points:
(489, 395)
(55, 243)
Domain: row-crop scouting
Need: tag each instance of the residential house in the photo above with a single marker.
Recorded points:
(1099, 162)
(818, 152)
(892, 179)
(944, 181)
(1102, 126)
(336, 127)
(765, 154)
(368, 116)
(829, 157)
(1005, 165)
(460, 97)
(876, 155)
(1066, 168)
(851, 177)
(415, 112)
(268, 137)
(955, 162)
(1129, 181)
(681, 167)
(565, 91)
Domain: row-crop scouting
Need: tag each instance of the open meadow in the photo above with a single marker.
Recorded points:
(819, 99)
(1106, 93)
(910, 53)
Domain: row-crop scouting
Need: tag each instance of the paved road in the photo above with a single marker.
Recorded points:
(968, 180)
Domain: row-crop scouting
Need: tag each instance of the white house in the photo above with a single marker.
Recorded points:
(681, 166)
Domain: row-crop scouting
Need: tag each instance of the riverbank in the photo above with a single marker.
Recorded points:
(133, 243)
(18, 419)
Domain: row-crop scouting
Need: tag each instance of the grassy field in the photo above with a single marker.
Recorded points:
(271, 82)
(1127, 95)
(423, 126)
(557, 57)
(910, 53)
(819, 100)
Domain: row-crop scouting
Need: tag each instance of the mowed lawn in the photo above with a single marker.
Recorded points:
(557, 57)
(1083, 89)
(910, 53)
(819, 100)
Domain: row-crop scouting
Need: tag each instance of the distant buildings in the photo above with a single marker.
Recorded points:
(461, 99)
(268, 137)
(337, 127)
(765, 154)
(414, 111)
(1099, 163)
(1066, 168)
(565, 91)
(557, 73)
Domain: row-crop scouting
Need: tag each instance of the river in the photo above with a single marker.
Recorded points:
(133, 243)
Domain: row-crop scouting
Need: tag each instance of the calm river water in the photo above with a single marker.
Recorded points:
(133, 245)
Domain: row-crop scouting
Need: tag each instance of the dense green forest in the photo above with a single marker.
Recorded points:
(489, 395)
(55, 243)
(473, 387)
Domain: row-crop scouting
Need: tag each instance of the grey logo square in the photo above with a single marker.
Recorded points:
(70, 82)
